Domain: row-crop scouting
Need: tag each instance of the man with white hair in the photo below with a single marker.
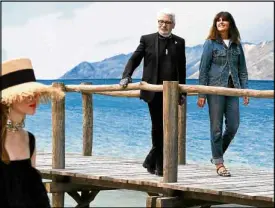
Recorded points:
(164, 60)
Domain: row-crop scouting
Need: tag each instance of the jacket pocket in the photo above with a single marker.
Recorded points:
(219, 57)
(217, 53)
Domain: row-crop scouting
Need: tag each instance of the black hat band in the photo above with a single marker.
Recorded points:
(16, 78)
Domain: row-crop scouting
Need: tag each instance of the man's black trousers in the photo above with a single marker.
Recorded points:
(154, 159)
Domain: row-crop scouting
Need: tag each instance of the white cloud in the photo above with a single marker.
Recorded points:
(56, 44)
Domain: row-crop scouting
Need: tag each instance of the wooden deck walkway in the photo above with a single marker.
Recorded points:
(196, 183)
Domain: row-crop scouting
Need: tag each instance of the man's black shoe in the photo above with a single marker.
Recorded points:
(159, 173)
(149, 169)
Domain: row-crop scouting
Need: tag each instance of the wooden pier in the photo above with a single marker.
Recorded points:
(183, 185)
(196, 185)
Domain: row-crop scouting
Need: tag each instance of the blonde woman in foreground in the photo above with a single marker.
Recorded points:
(20, 182)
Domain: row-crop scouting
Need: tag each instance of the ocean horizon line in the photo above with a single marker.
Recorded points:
(257, 80)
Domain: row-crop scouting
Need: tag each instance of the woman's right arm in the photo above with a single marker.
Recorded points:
(205, 64)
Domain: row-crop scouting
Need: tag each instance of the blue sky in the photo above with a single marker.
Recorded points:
(58, 36)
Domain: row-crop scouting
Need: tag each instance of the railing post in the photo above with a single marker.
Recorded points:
(87, 109)
(58, 142)
(170, 126)
(182, 133)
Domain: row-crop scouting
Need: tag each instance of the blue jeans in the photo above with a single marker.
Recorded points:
(220, 107)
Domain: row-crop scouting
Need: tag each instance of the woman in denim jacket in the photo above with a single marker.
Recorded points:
(223, 64)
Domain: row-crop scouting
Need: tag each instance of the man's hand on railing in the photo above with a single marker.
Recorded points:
(182, 98)
(125, 81)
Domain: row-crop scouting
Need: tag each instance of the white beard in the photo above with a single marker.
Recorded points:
(165, 35)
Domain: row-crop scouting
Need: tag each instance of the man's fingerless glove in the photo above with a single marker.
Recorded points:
(125, 81)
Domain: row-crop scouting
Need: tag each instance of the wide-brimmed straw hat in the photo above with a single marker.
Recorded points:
(18, 82)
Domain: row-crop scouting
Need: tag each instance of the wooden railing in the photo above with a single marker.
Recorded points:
(174, 151)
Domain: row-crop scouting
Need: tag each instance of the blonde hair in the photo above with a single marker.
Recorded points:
(4, 117)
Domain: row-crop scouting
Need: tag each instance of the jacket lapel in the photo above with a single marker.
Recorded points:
(174, 47)
(176, 52)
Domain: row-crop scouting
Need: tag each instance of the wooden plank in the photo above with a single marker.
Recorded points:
(118, 185)
(265, 193)
(252, 189)
(212, 180)
(53, 187)
(225, 187)
(206, 188)
(228, 198)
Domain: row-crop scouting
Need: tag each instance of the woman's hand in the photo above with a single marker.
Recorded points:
(245, 100)
(201, 102)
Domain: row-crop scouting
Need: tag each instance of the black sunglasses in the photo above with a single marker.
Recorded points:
(161, 22)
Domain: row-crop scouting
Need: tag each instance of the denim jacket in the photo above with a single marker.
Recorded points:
(218, 62)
